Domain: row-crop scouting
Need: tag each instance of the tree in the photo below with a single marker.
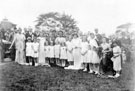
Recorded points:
(56, 21)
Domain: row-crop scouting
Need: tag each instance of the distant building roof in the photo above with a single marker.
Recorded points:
(127, 25)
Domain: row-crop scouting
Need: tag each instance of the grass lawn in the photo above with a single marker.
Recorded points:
(16, 77)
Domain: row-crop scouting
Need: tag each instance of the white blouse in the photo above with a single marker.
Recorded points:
(76, 43)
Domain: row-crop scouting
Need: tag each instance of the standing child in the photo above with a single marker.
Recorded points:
(84, 53)
(89, 59)
(35, 49)
(57, 52)
(116, 59)
(47, 49)
(63, 54)
(51, 53)
(28, 51)
(69, 52)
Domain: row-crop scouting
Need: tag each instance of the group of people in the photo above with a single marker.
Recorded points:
(91, 52)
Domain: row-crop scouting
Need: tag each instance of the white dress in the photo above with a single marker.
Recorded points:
(47, 50)
(35, 47)
(69, 51)
(94, 55)
(76, 53)
(117, 60)
(57, 51)
(41, 50)
(51, 52)
(63, 53)
(29, 49)
(89, 56)
(84, 52)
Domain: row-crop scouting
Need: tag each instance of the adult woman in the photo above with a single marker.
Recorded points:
(76, 51)
(106, 63)
(42, 41)
(19, 40)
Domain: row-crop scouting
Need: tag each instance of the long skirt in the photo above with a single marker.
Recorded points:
(69, 56)
(20, 57)
(77, 58)
(41, 59)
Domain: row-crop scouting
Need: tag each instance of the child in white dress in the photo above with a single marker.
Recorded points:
(51, 53)
(69, 53)
(47, 49)
(89, 59)
(35, 49)
(84, 53)
(29, 50)
(116, 59)
(63, 54)
(57, 52)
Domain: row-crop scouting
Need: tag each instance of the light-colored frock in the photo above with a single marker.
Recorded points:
(84, 52)
(94, 56)
(51, 51)
(76, 53)
(69, 51)
(20, 46)
(57, 51)
(41, 51)
(117, 60)
(47, 50)
(63, 53)
(29, 49)
(35, 50)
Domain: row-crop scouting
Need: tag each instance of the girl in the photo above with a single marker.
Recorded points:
(84, 51)
(28, 50)
(57, 52)
(95, 58)
(47, 61)
(69, 52)
(35, 49)
(116, 59)
(51, 53)
(89, 59)
(63, 54)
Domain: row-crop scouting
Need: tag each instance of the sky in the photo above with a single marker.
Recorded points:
(105, 15)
